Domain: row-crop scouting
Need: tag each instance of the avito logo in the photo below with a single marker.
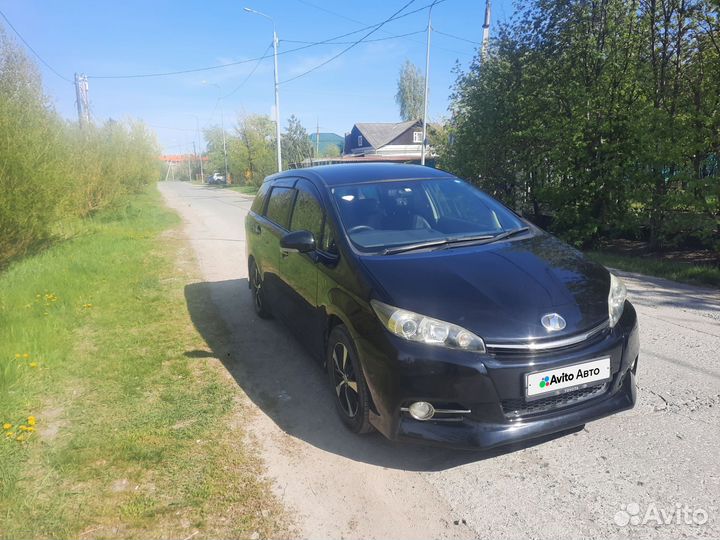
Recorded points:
(549, 380)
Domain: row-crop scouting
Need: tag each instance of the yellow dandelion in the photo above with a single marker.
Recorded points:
(31, 420)
(23, 428)
(33, 364)
(20, 438)
(26, 355)
(7, 425)
(30, 428)
(87, 306)
(10, 434)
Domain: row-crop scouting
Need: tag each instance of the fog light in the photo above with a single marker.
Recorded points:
(421, 410)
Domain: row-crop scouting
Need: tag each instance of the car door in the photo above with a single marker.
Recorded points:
(299, 271)
(270, 228)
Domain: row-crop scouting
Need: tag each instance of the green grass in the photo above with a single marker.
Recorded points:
(677, 271)
(247, 190)
(133, 438)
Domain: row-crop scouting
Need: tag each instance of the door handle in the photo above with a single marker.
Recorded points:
(257, 229)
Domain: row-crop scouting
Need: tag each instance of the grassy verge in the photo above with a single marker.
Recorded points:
(247, 190)
(677, 271)
(124, 434)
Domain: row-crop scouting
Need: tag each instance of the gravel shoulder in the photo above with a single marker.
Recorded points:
(662, 453)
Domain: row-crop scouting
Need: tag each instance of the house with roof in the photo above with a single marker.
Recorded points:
(394, 140)
(399, 142)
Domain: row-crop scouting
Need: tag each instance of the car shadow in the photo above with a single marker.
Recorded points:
(289, 385)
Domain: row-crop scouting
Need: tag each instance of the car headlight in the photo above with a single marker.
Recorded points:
(416, 327)
(616, 299)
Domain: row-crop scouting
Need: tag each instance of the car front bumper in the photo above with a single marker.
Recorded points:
(491, 387)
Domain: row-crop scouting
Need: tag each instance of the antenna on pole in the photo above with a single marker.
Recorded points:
(486, 31)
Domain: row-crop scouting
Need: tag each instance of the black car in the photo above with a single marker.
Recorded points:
(439, 314)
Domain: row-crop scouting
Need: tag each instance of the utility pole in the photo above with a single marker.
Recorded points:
(222, 126)
(486, 32)
(82, 99)
(427, 80)
(317, 140)
(277, 86)
(195, 153)
(277, 102)
(197, 129)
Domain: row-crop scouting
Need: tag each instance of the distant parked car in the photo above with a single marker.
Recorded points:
(217, 178)
(439, 314)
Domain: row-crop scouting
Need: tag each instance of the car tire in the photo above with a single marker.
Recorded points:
(257, 291)
(350, 392)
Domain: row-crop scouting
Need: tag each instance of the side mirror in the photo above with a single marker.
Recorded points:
(298, 242)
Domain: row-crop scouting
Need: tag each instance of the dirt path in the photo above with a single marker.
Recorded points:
(663, 453)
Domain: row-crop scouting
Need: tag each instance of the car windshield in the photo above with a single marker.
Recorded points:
(381, 216)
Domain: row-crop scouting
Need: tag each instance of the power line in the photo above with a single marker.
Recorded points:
(19, 35)
(366, 41)
(246, 79)
(239, 62)
(352, 45)
(340, 15)
(456, 37)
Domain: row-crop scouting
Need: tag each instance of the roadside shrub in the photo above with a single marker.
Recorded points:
(51, 171)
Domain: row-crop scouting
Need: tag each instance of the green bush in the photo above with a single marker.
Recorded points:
(602, 119)
(51, 171)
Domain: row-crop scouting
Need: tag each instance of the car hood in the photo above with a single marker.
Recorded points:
(498, 291)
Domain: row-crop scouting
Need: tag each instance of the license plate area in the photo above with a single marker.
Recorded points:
(553, 382)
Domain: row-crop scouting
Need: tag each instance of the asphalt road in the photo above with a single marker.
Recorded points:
(653, 472)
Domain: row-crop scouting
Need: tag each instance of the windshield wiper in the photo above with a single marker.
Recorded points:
(436, 243)
(445, 243)
(507, 234)
(411, 247)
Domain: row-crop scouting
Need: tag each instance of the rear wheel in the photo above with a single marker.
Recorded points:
(258, 293)
(352, 399)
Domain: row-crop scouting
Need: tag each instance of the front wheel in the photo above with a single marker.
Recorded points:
(258, 292)
(352, 399)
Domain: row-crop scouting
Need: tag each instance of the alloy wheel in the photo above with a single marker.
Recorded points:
(257, 289)
(346, 386)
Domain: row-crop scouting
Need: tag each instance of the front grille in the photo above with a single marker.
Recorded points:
(515, 408)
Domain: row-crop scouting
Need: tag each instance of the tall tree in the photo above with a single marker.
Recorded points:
(296, 143)
(599, 118)
(214, 142)
(252, 151)
(410, 92)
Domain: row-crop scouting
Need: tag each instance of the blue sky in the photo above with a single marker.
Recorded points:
(138, 37)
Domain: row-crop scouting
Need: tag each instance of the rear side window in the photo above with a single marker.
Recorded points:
(279, 205)
(308, 213)
(259, 203)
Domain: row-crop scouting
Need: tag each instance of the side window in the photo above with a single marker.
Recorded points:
(307, 214)
(279, 205)
(259, 203)
(328, 239)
